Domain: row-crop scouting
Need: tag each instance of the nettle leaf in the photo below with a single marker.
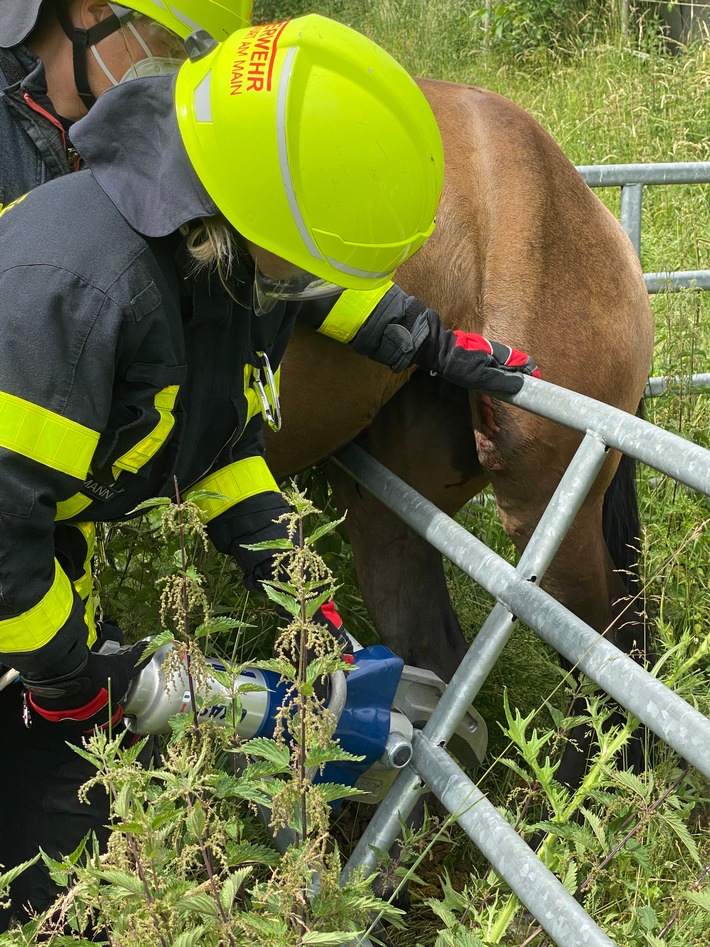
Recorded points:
(194, 495)
(327, 937)
(595, 823)
(267, 750)
(313, 604)
(121, 879)
(260, 770)
(647, 917)
(272, 664)
(319, 755)
(179, 723)
(196, 820)
(269, 544)
(332, 791)
(199, 902)
(570, 878)
(248, 687)
(219, 625)
(150, 505)
(8, 877)
(292, 606)
(638, 853)
(677, 824)
(190, 938)
(254, 852)
(701, 898)
(323, 530)
(163, 638)
(639, 787)
(193, 575)
(232, 885)
(261, 794)
(130, 828)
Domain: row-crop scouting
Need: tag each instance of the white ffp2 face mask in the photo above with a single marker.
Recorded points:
(152, 66)
(149, 66)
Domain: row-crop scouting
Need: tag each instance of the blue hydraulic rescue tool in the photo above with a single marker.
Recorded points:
(377, 705)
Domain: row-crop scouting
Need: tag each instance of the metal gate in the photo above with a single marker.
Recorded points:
(517, 594)
(631, 179)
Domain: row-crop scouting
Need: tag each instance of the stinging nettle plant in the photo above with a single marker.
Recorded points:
(189, 860)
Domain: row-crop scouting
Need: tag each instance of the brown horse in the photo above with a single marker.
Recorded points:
(525, 253)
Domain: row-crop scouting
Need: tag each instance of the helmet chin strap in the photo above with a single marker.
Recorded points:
(82, 40)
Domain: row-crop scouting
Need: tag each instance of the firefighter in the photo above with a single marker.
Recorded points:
(56, 57)
(283, 174)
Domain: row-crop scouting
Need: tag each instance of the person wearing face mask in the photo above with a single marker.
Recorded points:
(56, 58)
(283, 174)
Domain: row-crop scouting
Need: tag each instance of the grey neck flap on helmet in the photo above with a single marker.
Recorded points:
(131, 142)
(17, 20)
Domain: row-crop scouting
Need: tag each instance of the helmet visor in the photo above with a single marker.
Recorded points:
(301, 286)
(155, 39)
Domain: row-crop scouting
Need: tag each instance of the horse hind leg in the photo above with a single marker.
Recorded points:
(424, 435)
(526, 459)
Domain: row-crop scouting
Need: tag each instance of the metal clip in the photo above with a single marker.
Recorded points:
(268, 394)
(26, 715)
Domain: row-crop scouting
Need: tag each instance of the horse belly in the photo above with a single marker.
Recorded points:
(328, 395)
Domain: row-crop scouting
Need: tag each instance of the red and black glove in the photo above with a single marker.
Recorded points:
(91, 694)
(472, 361)
(328, 615)
(401, 331)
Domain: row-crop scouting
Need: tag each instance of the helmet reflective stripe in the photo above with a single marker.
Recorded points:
(183, 18)
(288, 180)
(283, 156)
(203, 104)
(121, 12)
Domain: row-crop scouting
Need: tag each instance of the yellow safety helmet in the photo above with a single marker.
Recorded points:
(316, 145)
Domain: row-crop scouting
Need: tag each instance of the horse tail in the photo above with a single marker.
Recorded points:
(621, 523)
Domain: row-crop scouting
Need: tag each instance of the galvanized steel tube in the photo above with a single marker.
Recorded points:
(669, 172)
(564, 919)
(672, 455)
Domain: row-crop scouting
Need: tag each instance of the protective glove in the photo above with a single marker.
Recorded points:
(81, 696)
(472, 361)
(328, 615)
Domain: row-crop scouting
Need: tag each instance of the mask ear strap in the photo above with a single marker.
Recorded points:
(81, 41)
(141, 41)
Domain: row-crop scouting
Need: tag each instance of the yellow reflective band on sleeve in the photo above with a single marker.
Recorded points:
(253, 401)
(84, 585)
(350, 311)
(241, 480)
(45, 436)
(5, 208)
(34, 628)
(68, 509)
(139, 455)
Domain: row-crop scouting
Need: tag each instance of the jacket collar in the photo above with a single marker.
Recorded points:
(30, 69)
(131, 142)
